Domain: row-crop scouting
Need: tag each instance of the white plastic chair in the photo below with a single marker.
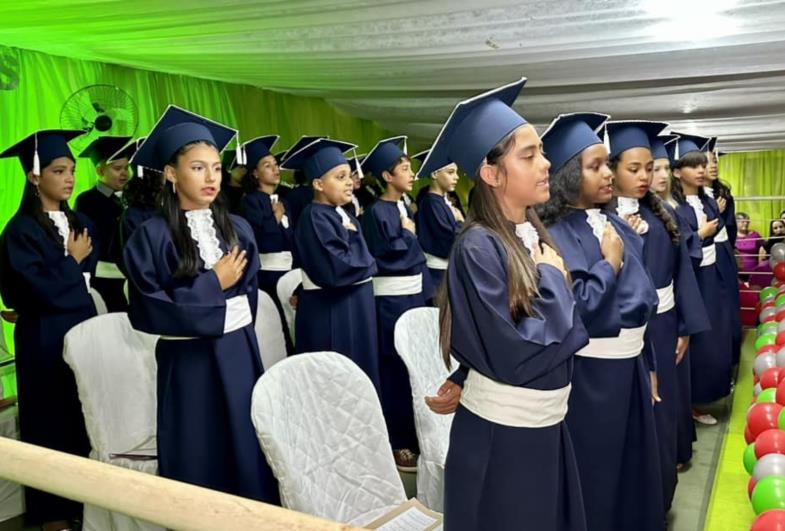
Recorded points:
(98, 300)
(285, 289)
(320, 424)
(269, 334)
(115, 370)
(417, 343)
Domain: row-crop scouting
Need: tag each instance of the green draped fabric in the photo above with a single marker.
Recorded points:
(754, 174)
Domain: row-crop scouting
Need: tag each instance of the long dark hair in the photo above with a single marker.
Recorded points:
(522, 276)
(144, 191)
(565, 187)
(31, 205)
(653, 202)
(181, 235)
(693, 159)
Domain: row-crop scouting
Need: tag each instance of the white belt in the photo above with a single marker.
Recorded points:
(392, 286)
(721, 236)
(667, 300)
(281, 261)
(709, 255)
(238, 315)
(508, 405)
(434, 262)
(310, 285)
(87, 277)
(628, 344)
(108, 270)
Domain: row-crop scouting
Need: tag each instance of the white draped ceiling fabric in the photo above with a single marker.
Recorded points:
(707, 66)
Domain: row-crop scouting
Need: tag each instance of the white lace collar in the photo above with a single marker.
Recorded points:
(627, 206)
(709, 191)
(596, 220)
(528, 235)
(697, 206)
(60, 220)
(202, 227)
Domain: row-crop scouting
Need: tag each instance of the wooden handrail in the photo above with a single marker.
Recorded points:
(161, 501)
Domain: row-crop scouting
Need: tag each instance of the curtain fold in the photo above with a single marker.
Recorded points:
(752, 174)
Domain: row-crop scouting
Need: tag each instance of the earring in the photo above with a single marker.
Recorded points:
(174, 188)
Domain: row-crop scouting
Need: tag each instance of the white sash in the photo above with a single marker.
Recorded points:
(108, 270)
(667, 300)
(393, 286)
(628, 344)
(310, 285)
(721, 236)
(87, 277)
(508, 405)
(238, 315)
(281, 261)
(709, 255)
(435, 262)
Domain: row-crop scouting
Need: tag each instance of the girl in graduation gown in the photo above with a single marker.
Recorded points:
(610, 416)
(192, 272)
(438, 222)
(401, 284)
(710, 352)
(680, 311)
(335, 309)
(510, 319)
(46, 258)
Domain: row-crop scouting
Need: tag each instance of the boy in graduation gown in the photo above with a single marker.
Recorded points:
(103, 204)
(301, 194)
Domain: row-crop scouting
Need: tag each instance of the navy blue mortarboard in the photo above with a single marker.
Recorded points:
(711, 145)
(127, 152)
(658, 147)
(569, 134)
(279, 157)
(104, 147)
(355, 162)
(383, 155)
(301, 143)
(630, 134)
(421, 156)
(177, 128)
(229, 159)
(475, 126)
(39, 149)
(685, 144)
(318, 157)
(258, 148)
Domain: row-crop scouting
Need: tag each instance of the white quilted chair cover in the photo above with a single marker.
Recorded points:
(285, 289)
(320, 424)
(100, 305)
(115, 372)
(417, 343)
(269, 334)
(11, 495)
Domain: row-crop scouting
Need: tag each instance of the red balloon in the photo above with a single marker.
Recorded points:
(748, 435)
(771, 303)
(772, 520)
(755, 379)
(770, 318)
(779, 271)
(768, 349)
(780, 396)
(770, 378)
(770, 442)
(750, 487)
(764, 416)
(780, 336)
(780, 315)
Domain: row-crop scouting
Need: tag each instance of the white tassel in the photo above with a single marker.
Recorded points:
(139, 171)
(359, 166)
(239, 153)
(36, 159)
(405, 149)
(606, 140)
(676, 150)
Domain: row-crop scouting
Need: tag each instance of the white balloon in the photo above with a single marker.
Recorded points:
(763, 362)
(757, 390)
(769, 465)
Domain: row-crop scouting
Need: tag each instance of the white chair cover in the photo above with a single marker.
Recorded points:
(98, 300)
(125, 291)
(285, 289)
(320, 424)
(269, 334)
(12, 501)
(417, 342)
(115, 372)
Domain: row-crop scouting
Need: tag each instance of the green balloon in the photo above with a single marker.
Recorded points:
(769, 494)
(767, 395)
(781, 420)
(780, 301)
(768, 293)
(749, 458)
(766, 339)
(767, 328)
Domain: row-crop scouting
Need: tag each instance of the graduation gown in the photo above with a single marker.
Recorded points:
(397, 253)
(132, 218)
(710, 351)
(297, 199)
(499, 476)
(233, 196)
(49, 291)
(105, 212)
(729, 272)
(670, 264)
(436, 231)
(340, 317)
(205, 435)
(611, 418)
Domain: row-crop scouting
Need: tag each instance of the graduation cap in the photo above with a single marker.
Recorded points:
(318, 157)
(355, 162)
(177, 128)
(297, 146)
(127, 152)
(39, 149)
(104, 147)
(258, 148)
(383, 155)
(228, 159)
(475, 126)
(569, 134)
(630, 134)
(421, 156)
(711, 145)
(279, 156)
(685, 144)
(659, 146)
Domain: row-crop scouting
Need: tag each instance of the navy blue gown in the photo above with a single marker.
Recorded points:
(397, 253)
(669, 263)
(436, 231)
(341, 316)
(105, 212)
(49, 292)
(132, 219)
(297, 199)
(729, 272)
(499, 476)
(710, 351)
(611, 418)
(205, 435)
